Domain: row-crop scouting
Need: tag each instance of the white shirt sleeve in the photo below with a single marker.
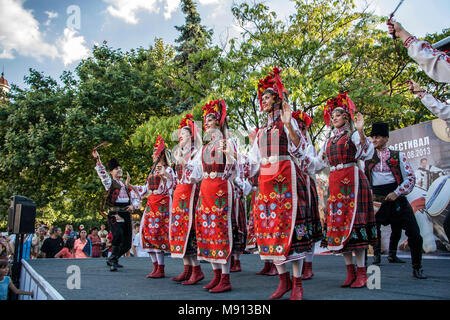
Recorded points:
(104, 176)
(364, 152)
(409, 179)
(437, 107)
(435, 63)
(295, 151)
(193, 170)
(254, 158)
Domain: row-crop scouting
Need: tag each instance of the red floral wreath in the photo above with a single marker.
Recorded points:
(341, 101)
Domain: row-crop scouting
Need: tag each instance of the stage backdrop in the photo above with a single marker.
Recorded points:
(427, 147)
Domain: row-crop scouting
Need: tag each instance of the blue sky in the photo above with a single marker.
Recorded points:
(48, 35)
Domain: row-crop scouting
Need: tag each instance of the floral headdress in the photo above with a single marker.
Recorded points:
(188, 121)
(218, 108)
(159, 146)
(302, 118)
(342, 101)
(272, 81)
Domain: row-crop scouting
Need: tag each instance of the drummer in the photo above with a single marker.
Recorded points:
(392, 178)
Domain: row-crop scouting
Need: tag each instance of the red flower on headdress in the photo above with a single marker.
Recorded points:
(159, 146)
(272, 80)
(341, 101)
(302, 117)
(216, 107)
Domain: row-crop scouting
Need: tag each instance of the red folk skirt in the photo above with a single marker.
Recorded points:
(350, 222)
(155, 224)
(213, 220)
(182, 218)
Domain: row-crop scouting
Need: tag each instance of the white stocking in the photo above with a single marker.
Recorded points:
(160, 257)
(360, 257)
(297, 267)
(281, 268)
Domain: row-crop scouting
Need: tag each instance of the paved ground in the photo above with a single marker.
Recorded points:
(97, 282)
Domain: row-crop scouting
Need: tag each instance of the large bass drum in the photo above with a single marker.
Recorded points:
(437, 202)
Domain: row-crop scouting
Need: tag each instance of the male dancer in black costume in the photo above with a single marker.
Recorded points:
(119, 204)
(392, 178)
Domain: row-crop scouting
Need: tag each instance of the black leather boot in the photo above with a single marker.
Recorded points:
(418, 273)
(112, 262)
(392, 258)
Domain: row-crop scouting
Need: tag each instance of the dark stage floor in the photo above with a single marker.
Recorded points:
(97, 282)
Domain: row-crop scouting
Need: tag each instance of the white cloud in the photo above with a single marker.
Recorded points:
(170, 7)
(19, 33)
(127, 9)
(51, 15)
(208, 2)
(72, 47)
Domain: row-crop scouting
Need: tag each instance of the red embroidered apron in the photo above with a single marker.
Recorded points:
(181, 218)
(341, 206)
(213, 214)
(275, 210)
(155, 220)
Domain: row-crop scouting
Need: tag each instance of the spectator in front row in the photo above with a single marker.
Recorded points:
(96, 243)
(82, 247)
(6, 283)
(67, 251)
(103, 233)
(37, 242)
(53, 244)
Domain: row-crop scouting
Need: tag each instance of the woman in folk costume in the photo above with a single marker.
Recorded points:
(215, 167)
(304, 122)
(183, 242)
(154, 228)
(269, 268)
(350, 223)
(282, 225)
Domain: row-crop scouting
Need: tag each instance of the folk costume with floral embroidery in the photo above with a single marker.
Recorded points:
(154, 228)
(182, 222)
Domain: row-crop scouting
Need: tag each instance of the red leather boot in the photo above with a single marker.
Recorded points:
(273, 270)
(185, 275)
(224, 284)
(159, 273)
(351, 276)
(307, 271)
(155, 268)
(284, 285)
(265, 269)
(215, 281)
(196, 276)
(361, 278)
(297, 289)
(237, 266)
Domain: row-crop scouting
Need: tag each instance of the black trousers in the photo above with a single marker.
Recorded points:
(400, 216)
(121, 232)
